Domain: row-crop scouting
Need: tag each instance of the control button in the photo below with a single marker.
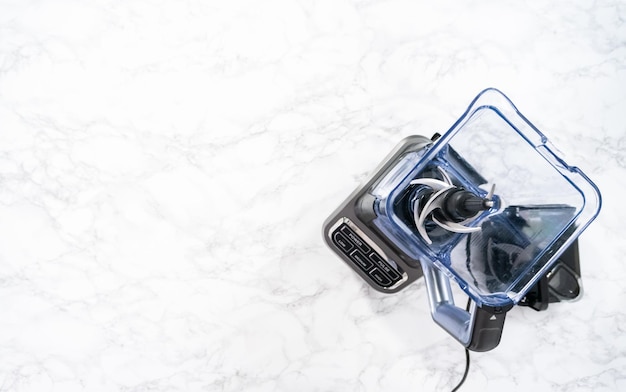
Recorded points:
(380, 277)
(361, 260)
(355, 239)
(342, 242)
(380, 263)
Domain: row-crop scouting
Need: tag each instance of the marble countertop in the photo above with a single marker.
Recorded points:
(166, 166)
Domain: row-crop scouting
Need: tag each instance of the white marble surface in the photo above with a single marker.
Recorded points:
(165, 168)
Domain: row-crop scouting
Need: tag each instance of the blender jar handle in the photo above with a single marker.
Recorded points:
(478, 329)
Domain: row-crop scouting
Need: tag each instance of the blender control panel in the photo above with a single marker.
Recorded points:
(364, 256)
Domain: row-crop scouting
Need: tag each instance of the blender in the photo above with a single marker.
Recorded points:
(489, 205)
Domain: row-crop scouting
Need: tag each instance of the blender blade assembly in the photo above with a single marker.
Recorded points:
(448, 206)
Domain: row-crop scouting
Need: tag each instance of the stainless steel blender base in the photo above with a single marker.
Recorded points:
(350, 233)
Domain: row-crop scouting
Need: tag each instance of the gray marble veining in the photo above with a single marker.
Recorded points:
(165, 168)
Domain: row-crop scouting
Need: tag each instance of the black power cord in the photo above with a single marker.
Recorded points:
(467, 356)
(467, 364)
